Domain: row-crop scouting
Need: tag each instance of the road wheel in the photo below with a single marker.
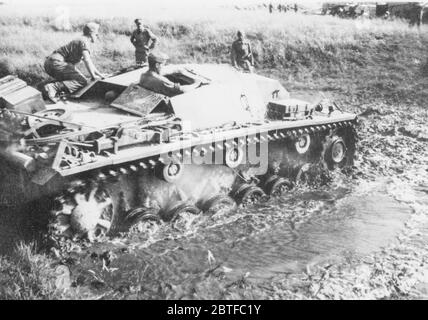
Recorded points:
(336, 153)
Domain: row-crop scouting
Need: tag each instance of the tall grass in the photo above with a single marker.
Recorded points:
(304, 51)
(27, 275)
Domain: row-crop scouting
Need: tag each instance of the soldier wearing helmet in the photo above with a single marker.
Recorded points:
(242, 54)
(61, 64)
(154, 81)
(143, 40)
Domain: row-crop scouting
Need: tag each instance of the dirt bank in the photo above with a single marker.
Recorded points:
(393, 145)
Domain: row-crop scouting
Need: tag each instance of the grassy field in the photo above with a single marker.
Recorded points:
(359, 59)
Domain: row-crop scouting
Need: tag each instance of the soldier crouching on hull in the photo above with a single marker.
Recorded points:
(242, 54)
(154, 81)
(61, 64)
(143, 40)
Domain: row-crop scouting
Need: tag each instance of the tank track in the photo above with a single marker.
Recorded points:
(110, 200)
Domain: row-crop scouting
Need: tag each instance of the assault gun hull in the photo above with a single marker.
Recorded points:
(117, 152)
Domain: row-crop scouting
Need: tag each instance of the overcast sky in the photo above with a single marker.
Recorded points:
(174, 2)
(152, 2)
(128, 7)
(124, 6)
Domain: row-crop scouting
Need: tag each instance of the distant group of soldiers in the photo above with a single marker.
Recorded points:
(61, 64)
(283, 7)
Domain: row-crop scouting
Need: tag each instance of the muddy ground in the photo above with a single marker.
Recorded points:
(393, 144)
(261, 252)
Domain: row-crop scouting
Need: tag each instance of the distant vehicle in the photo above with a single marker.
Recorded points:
(414, 12)
(340, 9)
(365, 10)
(332, 8)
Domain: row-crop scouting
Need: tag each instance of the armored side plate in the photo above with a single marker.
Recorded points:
(138, 101)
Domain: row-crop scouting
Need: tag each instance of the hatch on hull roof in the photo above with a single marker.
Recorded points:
(226, 95)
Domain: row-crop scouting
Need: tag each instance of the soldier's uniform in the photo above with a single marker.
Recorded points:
(143, 40)
(61, 65)
(157, 83)
(241, 54)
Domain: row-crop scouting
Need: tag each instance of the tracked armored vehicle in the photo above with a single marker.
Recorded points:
(115, 153)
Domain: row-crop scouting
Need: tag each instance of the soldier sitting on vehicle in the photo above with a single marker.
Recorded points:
(61, 64)
(241, 53)
(143, 40)
(154, 81)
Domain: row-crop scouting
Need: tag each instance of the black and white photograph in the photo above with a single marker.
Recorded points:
(226, 151)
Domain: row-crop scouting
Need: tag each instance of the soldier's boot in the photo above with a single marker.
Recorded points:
(54, 90)
(62, 90)
(51, 92)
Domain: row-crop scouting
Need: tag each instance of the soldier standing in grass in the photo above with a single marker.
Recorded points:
(61, 64)
(143, 40)
(420, 15)
(242, 54)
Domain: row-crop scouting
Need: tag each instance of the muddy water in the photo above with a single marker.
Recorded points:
(354, 225)
(284, 235)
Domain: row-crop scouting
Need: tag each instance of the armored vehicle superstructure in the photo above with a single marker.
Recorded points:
(116, 152)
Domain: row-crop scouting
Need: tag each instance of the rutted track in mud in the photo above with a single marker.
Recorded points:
(256, 244)
(360, 236)
(281, 248)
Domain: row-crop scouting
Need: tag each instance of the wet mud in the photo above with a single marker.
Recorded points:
(362, 236)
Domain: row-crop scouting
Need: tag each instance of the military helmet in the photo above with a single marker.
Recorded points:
(91, 27)
(157, 58)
